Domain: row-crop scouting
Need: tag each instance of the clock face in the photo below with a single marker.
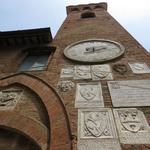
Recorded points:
(94, 50)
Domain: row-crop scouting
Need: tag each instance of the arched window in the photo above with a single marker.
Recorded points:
(75, 9)
(86, 8)
(98, 7)
(88, 14)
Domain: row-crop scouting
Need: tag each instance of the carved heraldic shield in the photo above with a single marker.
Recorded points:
(95, 123)
(99, 71)
(130, 120)
(88, 92)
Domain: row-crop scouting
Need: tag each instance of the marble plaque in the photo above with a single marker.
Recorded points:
(67, 72)
(89, 95)
(132, 126)
(96, 130)
(98, 145)
(9, 98)
(101, 72)
(96, 123)
(139, 67)
(82, 72)
(130, 93)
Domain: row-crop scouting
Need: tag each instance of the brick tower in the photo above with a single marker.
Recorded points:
(86, 89)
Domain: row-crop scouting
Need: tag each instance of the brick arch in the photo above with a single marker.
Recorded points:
(23, 125)
(58, 117)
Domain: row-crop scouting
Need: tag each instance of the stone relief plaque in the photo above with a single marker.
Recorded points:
(65, 86)
(96, 123)
(67, 72)
(120, 68)
(139, 67)
(101, 72)
(89, 95)
(9, 98)
(132, 126)
(82, 72)
(130, 93)
(90, 72)
(96, 130)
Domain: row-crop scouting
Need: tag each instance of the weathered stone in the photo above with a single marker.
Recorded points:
(82, 72)
(101, 72)
(130, 93)
(9, 98)
(65, 85)
(139, 67)
(89, 95)
(132, 126)
(94, 50)
(120, 68)
(67, 72)
(96, 130)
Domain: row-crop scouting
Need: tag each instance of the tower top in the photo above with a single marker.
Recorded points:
(83, 7)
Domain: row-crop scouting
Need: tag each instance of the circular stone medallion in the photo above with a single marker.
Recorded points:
(94, 50)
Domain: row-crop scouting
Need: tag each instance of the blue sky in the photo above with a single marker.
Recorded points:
(134, 15)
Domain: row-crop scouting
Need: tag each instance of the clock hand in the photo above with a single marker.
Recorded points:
(90, 50)
(99, 48)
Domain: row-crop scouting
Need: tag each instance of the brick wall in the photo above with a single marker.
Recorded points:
(60, 105)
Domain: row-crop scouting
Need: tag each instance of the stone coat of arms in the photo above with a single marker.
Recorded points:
(95, 124)
(9, 98)
(100, 71)
(88, 92)
(130, 120)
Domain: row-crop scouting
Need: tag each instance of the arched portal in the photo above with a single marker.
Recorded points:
(56, 112)
(11, 140)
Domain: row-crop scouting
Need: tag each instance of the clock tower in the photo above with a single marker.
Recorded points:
(93, 21)
(108, 66)
(86, 89)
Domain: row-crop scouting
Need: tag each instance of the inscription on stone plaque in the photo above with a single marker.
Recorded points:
(96, 127)
(139, 67)
(132, 126)
(101, 72)
(67, 72)
(130, 93)
(82, 72)
(9, 98)
(89, 95)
